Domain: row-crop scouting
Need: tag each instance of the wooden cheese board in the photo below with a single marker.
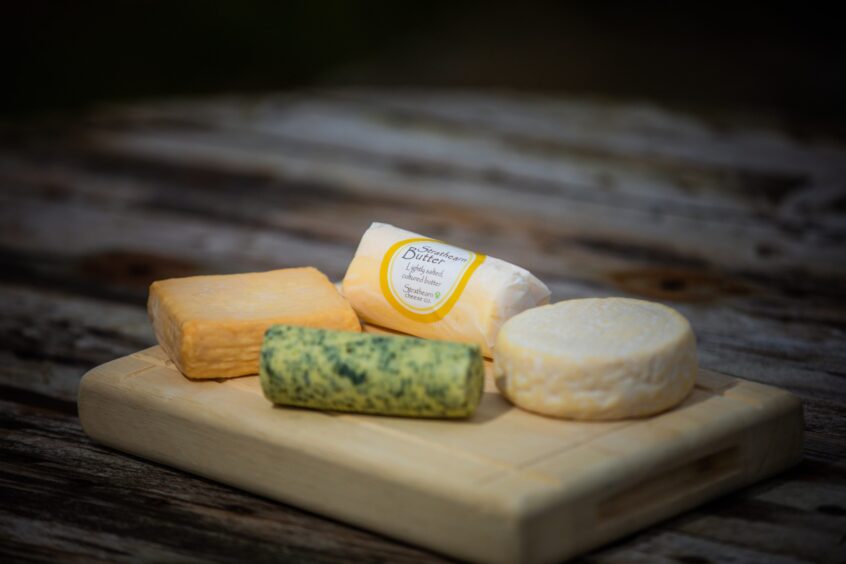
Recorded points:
(502, 486)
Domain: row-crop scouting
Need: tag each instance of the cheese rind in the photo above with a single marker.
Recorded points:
(213, 326)
(381, 374)
(493, 292)
(606, 358)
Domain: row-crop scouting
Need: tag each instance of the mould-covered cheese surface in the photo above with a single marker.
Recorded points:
(357, 372)
(213, 326)
(424, 287)
(597, 358)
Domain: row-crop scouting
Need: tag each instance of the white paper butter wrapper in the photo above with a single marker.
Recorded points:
(424, 287)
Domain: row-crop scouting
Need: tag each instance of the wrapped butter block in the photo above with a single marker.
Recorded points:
(424, 287)
(213, 326)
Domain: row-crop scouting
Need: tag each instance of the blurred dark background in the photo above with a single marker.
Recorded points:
(783, 63)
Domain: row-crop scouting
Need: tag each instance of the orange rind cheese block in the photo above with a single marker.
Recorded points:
(213, 326)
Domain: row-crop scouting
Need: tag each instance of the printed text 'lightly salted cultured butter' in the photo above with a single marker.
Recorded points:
(424, 287)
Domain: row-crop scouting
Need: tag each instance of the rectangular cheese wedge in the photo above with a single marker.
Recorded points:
(424, 287)
(213, 326)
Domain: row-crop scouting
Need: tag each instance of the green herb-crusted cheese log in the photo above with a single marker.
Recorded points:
(384, 374)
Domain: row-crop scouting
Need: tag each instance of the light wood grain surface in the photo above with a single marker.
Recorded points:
(738, 224)
(503, 485)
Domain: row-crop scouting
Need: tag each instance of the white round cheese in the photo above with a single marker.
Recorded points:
(607, 358)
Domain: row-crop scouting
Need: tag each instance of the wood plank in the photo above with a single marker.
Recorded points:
(634, 130)
(626, 129)
(50, 339)
(350, 124)
(591, 251)
(716, 239)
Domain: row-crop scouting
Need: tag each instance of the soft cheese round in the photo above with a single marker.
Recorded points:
(597, 358)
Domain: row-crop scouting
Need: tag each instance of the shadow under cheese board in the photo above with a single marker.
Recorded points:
(504, 485)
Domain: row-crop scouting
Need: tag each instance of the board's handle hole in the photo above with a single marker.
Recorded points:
(671, 484)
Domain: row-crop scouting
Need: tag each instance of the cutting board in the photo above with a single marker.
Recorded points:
(502, 486)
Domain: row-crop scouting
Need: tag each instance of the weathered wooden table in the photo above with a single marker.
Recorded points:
(737, 224)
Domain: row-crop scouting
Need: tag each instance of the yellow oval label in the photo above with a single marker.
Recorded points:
(423, 278)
